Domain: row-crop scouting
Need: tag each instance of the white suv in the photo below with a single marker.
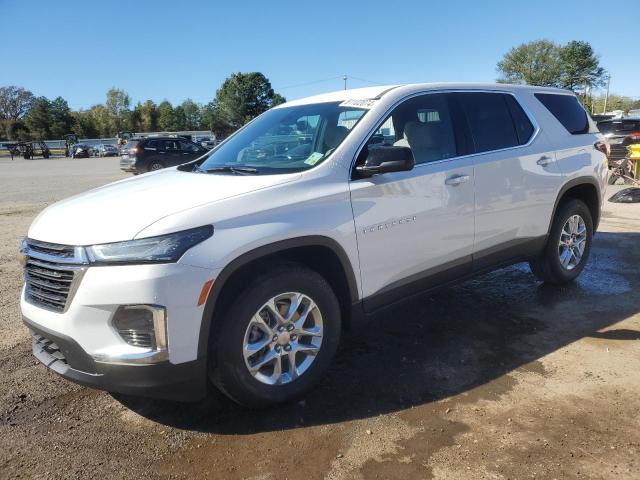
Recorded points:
(244, 266)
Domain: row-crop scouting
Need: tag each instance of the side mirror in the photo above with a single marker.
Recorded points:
(386, 159)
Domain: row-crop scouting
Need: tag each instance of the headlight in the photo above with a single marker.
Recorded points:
(161, 249)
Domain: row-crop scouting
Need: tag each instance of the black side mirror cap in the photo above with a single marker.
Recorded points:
(386, 159)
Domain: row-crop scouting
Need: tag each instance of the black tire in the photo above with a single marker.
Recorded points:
(229, 371)
(155, 165)
(547, 266)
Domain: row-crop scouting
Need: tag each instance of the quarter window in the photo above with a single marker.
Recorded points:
(423, 124)
(567, 111)
(524, 128)
(489, 120)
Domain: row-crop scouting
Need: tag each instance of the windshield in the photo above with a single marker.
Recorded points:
(285, 140)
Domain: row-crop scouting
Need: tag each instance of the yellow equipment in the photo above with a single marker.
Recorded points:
(634, 156)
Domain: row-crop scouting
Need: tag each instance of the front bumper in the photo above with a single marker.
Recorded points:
(94, 352)
(182, 382)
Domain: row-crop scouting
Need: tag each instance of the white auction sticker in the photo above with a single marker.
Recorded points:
(362, 103)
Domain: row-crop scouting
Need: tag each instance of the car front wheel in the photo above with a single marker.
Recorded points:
(278, 337)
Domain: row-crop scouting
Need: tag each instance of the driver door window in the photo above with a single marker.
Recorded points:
(423, 124)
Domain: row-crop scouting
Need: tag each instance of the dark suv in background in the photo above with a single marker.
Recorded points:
(147, 154)
(620, 132)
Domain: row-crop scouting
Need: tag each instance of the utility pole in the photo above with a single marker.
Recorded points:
(344, 77)
(606, 98)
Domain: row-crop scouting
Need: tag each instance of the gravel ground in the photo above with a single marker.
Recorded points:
(498, 377)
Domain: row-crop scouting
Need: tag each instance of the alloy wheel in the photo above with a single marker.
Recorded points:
(573, 240)
(283, 338)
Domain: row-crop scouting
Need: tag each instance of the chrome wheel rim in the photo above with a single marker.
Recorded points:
(156, 166)
(283, 338)
(573, 240)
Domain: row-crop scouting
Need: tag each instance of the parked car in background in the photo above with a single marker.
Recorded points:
(209, 144)
(620, 133)
(155, 153)
(80, 150)
(106, 150)
(244, 267)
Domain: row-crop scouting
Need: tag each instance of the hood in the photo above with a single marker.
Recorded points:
(120, 210)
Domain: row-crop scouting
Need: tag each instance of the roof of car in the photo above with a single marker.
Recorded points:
(379, 91)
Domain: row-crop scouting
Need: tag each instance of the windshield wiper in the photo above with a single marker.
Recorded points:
(232, 169)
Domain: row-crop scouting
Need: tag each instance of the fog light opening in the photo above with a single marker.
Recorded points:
(142, 326)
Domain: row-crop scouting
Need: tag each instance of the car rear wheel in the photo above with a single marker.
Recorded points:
(278, 337)
(155, 165)
(568, 245)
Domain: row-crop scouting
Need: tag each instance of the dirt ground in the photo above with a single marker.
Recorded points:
(499, 378)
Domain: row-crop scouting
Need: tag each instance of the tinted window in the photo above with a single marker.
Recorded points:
(189, 147)
(489, 120)
(620, 126)
(170, 145)
(153, 144)
(567, 110)
(524, 129)
(423, 124)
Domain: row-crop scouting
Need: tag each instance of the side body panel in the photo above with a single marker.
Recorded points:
(412, 224)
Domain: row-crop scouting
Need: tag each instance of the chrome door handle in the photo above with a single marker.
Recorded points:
(456, 179)
(544, 160)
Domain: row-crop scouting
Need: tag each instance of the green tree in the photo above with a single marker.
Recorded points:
(84, 124)
(117, 104)
(15, 102)
(39, 118)
(13, 130)
(61, 119)
(179, 119)
(241, 98)
(192, 113)
(166, 117)
(615, 102)
(101, 121)
(579, 66)
(148, 112)
(533, 63)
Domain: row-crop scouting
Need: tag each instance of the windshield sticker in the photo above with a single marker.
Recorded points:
(313, 158)
(363, 103)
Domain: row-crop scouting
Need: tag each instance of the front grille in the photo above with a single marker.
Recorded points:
(51, 273)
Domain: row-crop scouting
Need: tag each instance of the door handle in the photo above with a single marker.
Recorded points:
(456, 179)
(544, 160)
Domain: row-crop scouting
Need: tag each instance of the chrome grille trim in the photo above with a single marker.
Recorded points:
(52, 273)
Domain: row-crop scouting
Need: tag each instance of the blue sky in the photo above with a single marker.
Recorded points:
(178, 49)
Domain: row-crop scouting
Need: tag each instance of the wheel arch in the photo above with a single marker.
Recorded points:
(322, 254)
(586, 189)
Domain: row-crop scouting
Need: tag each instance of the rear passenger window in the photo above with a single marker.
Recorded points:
(567, 110)
(171, 145)
(524, 129)
(424, 125)
(489, 120)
